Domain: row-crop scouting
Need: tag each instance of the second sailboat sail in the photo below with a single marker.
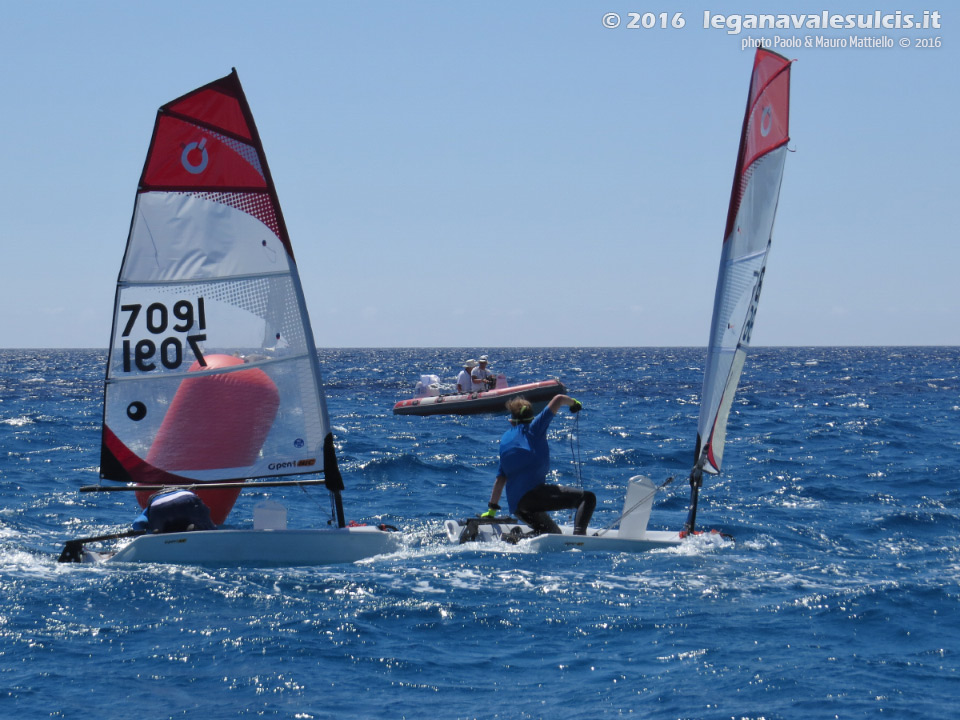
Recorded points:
(743, 260)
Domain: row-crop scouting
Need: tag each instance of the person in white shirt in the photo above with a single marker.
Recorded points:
(483, 379)
(464, 379)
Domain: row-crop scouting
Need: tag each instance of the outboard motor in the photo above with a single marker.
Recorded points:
(427, 386)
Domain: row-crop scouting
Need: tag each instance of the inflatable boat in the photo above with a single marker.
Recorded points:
(425, 402)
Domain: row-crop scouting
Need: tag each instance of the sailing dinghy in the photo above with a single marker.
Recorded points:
(212, 379)
(743, 261)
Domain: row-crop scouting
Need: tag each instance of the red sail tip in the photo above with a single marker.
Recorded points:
(211, 107)
(766, 122)
(219, 104)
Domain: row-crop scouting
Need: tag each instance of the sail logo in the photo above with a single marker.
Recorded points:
(766, 121)
(190, 167)
(752, 311)
(286, 464)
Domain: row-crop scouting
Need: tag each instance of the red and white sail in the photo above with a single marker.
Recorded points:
(746, 244)
(212, 372)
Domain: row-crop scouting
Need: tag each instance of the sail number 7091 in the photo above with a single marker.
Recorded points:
(144, 354)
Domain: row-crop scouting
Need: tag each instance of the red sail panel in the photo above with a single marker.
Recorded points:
(766, 123)
(210, 106)
(186, 156)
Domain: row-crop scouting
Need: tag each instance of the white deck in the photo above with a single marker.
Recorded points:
(608, 541)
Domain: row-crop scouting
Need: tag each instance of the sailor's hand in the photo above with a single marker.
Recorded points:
(576, 407)
(491, 512)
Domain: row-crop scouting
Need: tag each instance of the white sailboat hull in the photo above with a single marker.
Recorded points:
(631, 536)
(608, 541)
(255, 548)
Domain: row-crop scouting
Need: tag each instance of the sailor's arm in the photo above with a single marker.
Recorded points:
(559, 401)
(497, 490)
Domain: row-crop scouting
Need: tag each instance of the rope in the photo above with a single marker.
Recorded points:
(333, 505)
(333, 508)
(575, 450)
(576, 458)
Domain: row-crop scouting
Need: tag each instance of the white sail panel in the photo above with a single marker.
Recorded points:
(196, 236)
(739, 283)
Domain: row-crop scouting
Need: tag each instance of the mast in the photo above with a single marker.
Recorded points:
(746, 245)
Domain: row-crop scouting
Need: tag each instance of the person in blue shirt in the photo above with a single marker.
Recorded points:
(524, 464)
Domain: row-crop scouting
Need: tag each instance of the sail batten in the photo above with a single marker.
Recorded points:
(746, 246)
(200, 280)
(212, 372)
(248, 363)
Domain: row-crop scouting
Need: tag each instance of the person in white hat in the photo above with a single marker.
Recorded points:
(483, 379)
(464, 381)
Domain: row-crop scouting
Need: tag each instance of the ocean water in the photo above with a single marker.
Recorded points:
(837, 597)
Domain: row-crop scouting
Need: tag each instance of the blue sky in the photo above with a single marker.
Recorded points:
(494, 173)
